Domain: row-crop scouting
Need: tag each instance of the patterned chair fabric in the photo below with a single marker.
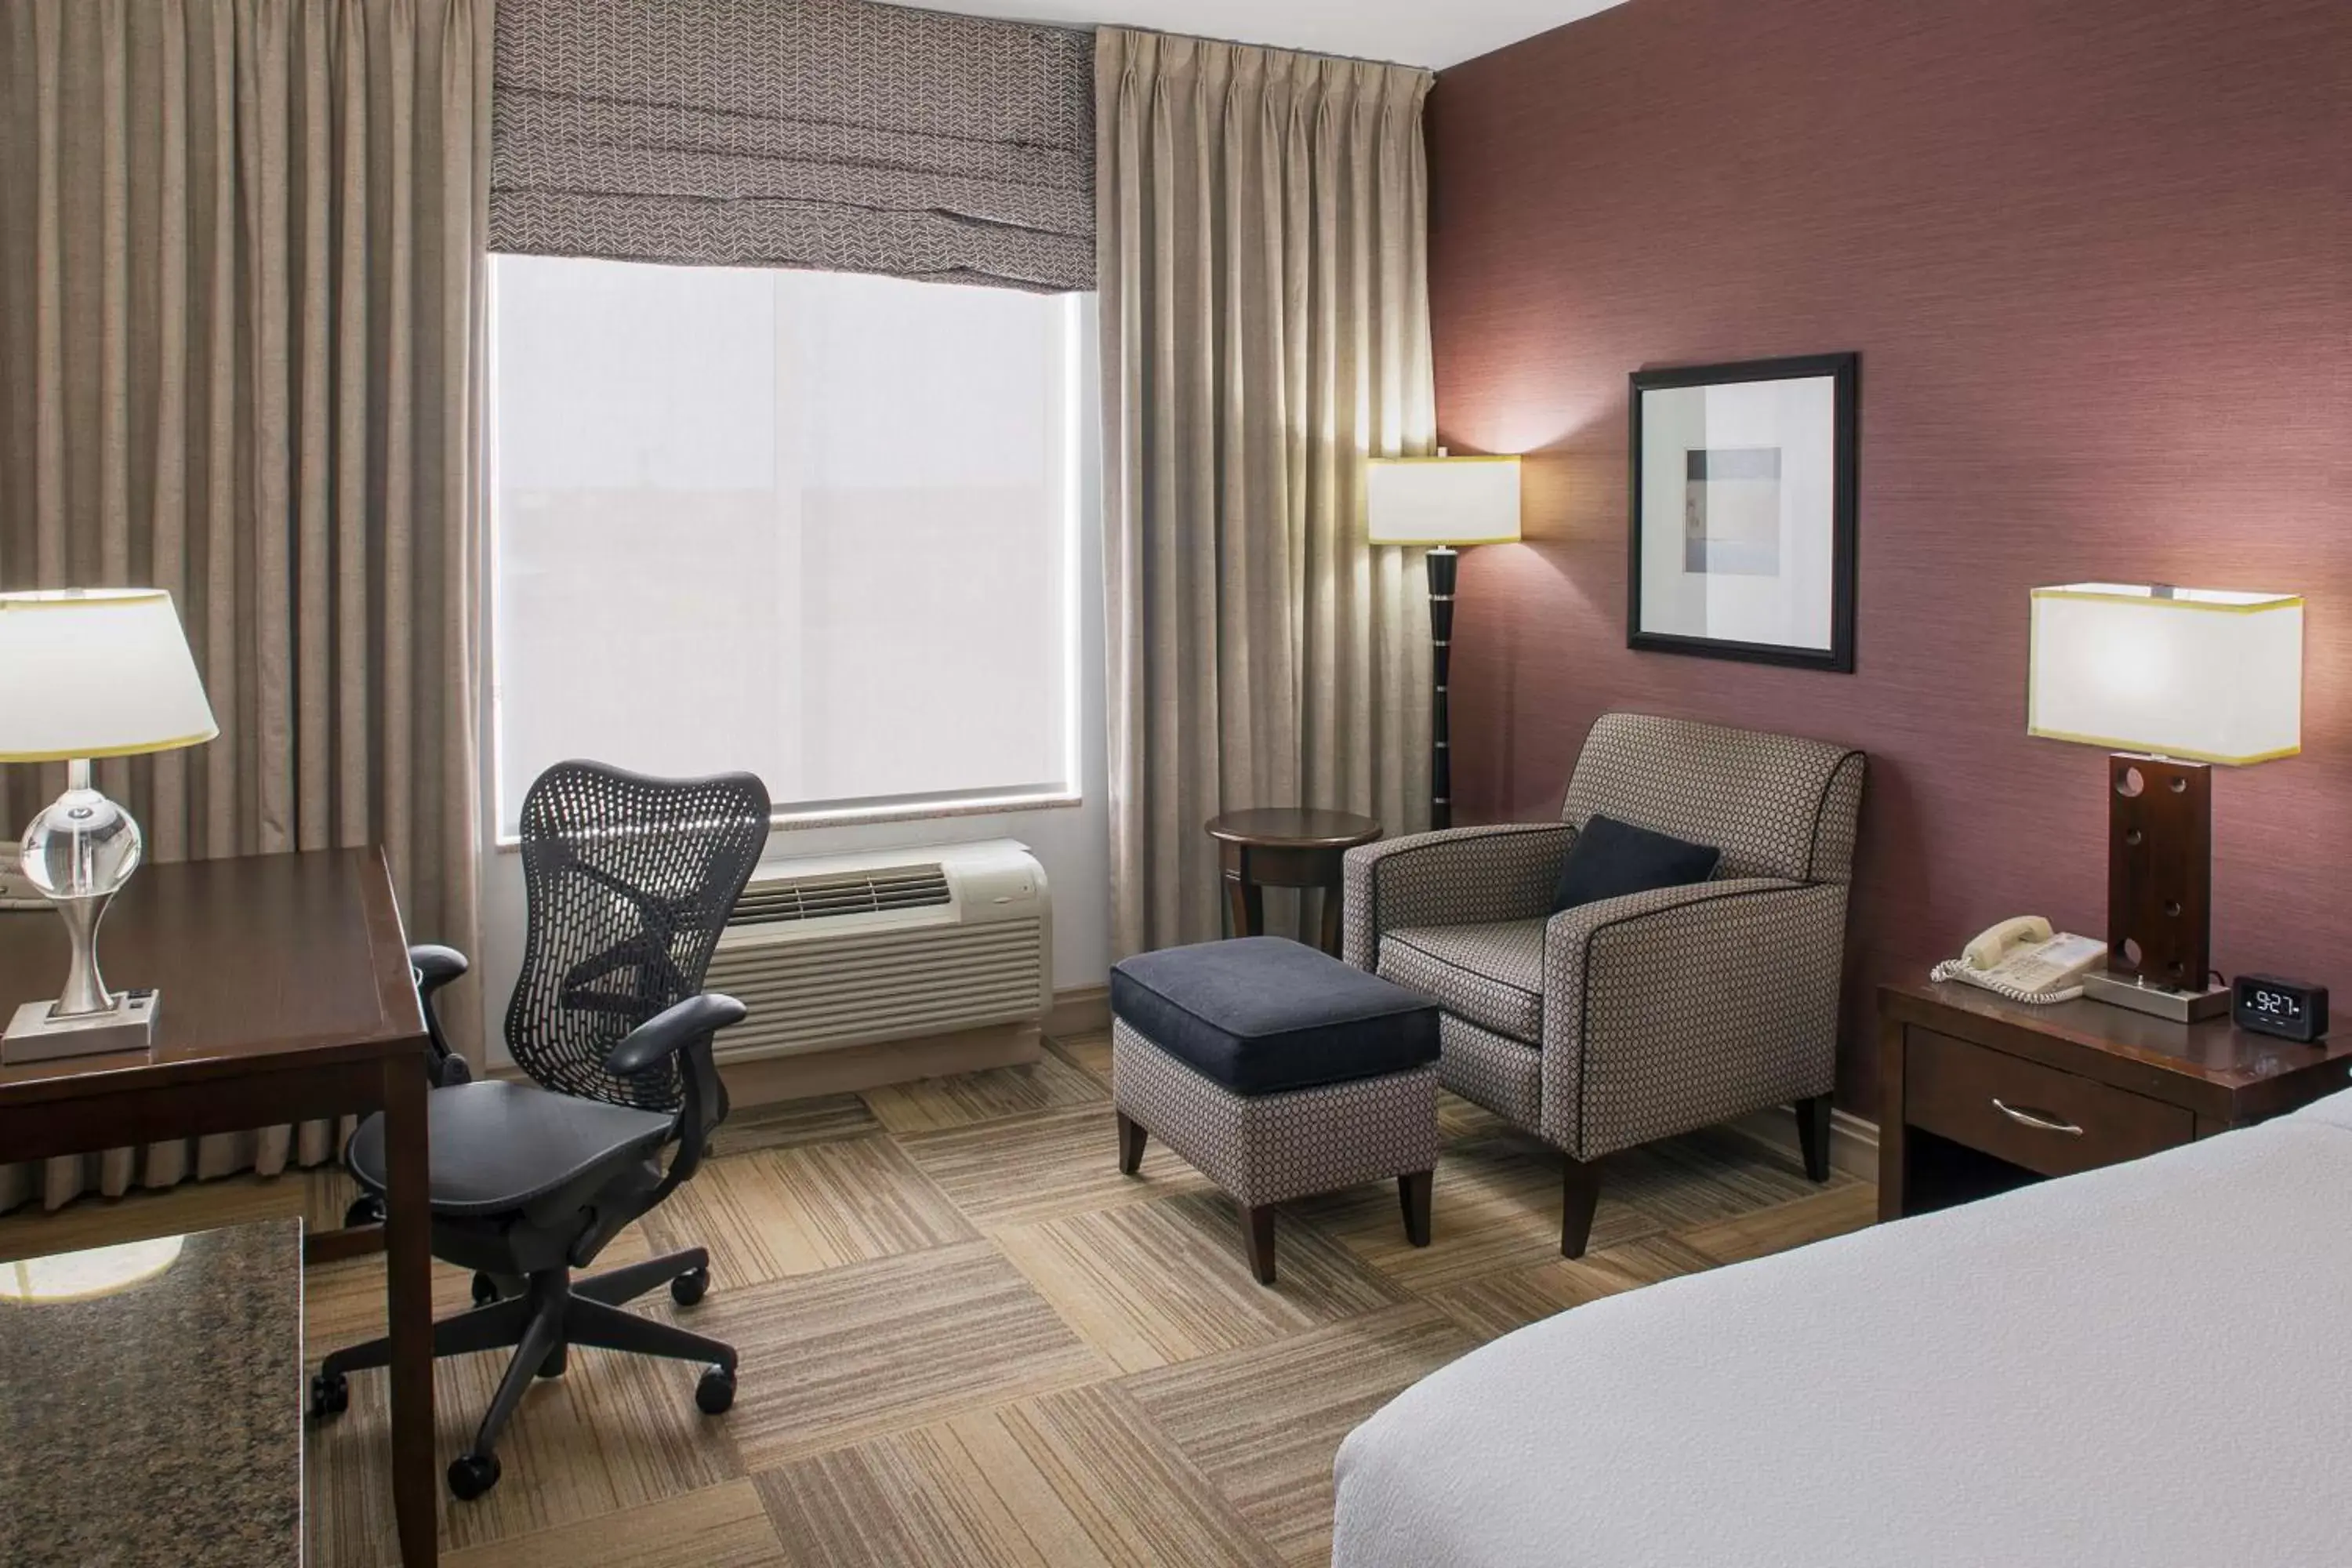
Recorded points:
(1775, 805)
(1269, 1148)
(1491, 974)
(1630, 1019)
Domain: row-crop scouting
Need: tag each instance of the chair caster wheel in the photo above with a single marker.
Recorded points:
(368, 1210)
(486, 1289)
(471, 1475)
(330, 1395)
(690, 1287)
(716, 1392)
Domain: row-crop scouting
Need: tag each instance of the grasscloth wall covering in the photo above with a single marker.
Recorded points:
(829, 133)
(240, 322)
(1265, 326)
(2096, 257)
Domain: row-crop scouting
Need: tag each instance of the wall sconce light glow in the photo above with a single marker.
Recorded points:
(82, 1276)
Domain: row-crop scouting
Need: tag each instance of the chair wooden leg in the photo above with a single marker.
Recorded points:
(1130, 1144)
(1413, 1192)
(1813, 1135)
(1258, 1223)
(1580, 1196)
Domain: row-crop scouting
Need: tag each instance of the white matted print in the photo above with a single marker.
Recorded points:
(1743, 511)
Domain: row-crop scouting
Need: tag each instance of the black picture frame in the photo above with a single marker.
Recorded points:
(1844, 370)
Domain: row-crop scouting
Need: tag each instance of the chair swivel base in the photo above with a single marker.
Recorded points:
(551, 1313)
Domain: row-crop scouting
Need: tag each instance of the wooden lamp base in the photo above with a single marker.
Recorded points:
(2160, 889)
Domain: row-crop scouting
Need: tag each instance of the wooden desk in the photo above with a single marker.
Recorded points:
(152, 1402)
(286, 996)
(1982, 1094)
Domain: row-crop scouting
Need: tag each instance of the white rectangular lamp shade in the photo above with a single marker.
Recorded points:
(96, 672)
(2201, 673)
(1443, 501)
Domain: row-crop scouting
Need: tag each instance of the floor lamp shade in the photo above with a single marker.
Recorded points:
(2174, 680)
(1438, 504)
(1444, 501)
(85, 673)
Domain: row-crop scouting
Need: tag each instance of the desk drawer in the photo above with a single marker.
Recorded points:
(1952, 1087)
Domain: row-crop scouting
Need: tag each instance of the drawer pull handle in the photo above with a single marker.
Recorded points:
(2040, 1123)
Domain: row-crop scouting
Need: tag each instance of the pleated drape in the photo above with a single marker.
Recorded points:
(241, 322)
(1262, 236)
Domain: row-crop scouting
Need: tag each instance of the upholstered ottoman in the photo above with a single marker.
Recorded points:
(1278, 1071)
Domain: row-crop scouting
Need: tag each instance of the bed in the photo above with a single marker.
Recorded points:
(2146, 1366)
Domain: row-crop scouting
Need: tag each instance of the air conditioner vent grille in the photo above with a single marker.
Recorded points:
(860, 986)
(781, 899)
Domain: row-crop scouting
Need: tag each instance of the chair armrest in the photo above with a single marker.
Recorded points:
(434, 966)
(672, 1030)
(1675, 1009)
(1455, 876)
(681, 1033)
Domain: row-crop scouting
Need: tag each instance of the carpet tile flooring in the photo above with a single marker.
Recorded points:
(968, 1340)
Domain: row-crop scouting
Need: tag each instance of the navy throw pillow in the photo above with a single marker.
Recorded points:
(1611, 859)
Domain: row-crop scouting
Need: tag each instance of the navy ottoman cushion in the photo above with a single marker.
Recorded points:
(1263, 1014)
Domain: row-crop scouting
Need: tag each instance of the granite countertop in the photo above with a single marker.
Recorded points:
(159, 1423)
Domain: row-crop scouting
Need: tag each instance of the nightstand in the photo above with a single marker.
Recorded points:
(1980, 1094)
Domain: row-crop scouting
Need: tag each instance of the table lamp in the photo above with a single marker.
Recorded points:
(84, 673)
(2177, 679)
(1441, 502)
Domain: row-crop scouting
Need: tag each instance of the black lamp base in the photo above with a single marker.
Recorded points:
(1443, 561)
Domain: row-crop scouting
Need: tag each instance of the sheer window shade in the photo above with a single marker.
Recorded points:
(832, 134)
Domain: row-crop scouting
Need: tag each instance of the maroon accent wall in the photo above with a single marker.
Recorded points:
(2097, 256)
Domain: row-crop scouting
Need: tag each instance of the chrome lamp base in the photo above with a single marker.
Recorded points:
(2157, 1001)
(40, 1033)
(78, 853)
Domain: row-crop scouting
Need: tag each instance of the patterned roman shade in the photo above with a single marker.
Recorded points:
(834, 134)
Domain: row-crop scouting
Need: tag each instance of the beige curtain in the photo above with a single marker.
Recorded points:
(241, 318)
(1261, 227)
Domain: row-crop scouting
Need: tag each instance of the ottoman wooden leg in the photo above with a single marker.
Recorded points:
(1258, 1223)
(1130, 1144)
(1412, 1191)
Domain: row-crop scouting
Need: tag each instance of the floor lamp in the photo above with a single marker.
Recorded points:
(1440, 504)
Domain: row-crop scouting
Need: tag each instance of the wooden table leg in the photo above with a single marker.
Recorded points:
(1893, 1147)
(1244, 900)
(1334, 901)
(408, 1290)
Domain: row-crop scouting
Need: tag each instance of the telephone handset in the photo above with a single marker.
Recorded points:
(2023, 961)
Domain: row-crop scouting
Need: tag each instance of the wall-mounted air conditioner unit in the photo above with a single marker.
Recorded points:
(847, 950)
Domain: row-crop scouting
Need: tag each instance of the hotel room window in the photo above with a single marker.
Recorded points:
(817, 525)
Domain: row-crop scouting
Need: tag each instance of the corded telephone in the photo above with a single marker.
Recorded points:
(2021, 960)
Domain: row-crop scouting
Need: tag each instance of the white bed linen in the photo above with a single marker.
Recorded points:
(2147, 1366)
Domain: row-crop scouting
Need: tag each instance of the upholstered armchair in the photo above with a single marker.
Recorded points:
(1633, 1018)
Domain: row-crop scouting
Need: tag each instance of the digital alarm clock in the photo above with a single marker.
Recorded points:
(2291, 1009)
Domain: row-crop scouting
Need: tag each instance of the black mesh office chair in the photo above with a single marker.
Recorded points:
(629, 881)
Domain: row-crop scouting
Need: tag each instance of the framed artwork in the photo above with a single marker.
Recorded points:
(1743, 510)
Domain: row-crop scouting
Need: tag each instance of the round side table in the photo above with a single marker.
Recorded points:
(1285, 847)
